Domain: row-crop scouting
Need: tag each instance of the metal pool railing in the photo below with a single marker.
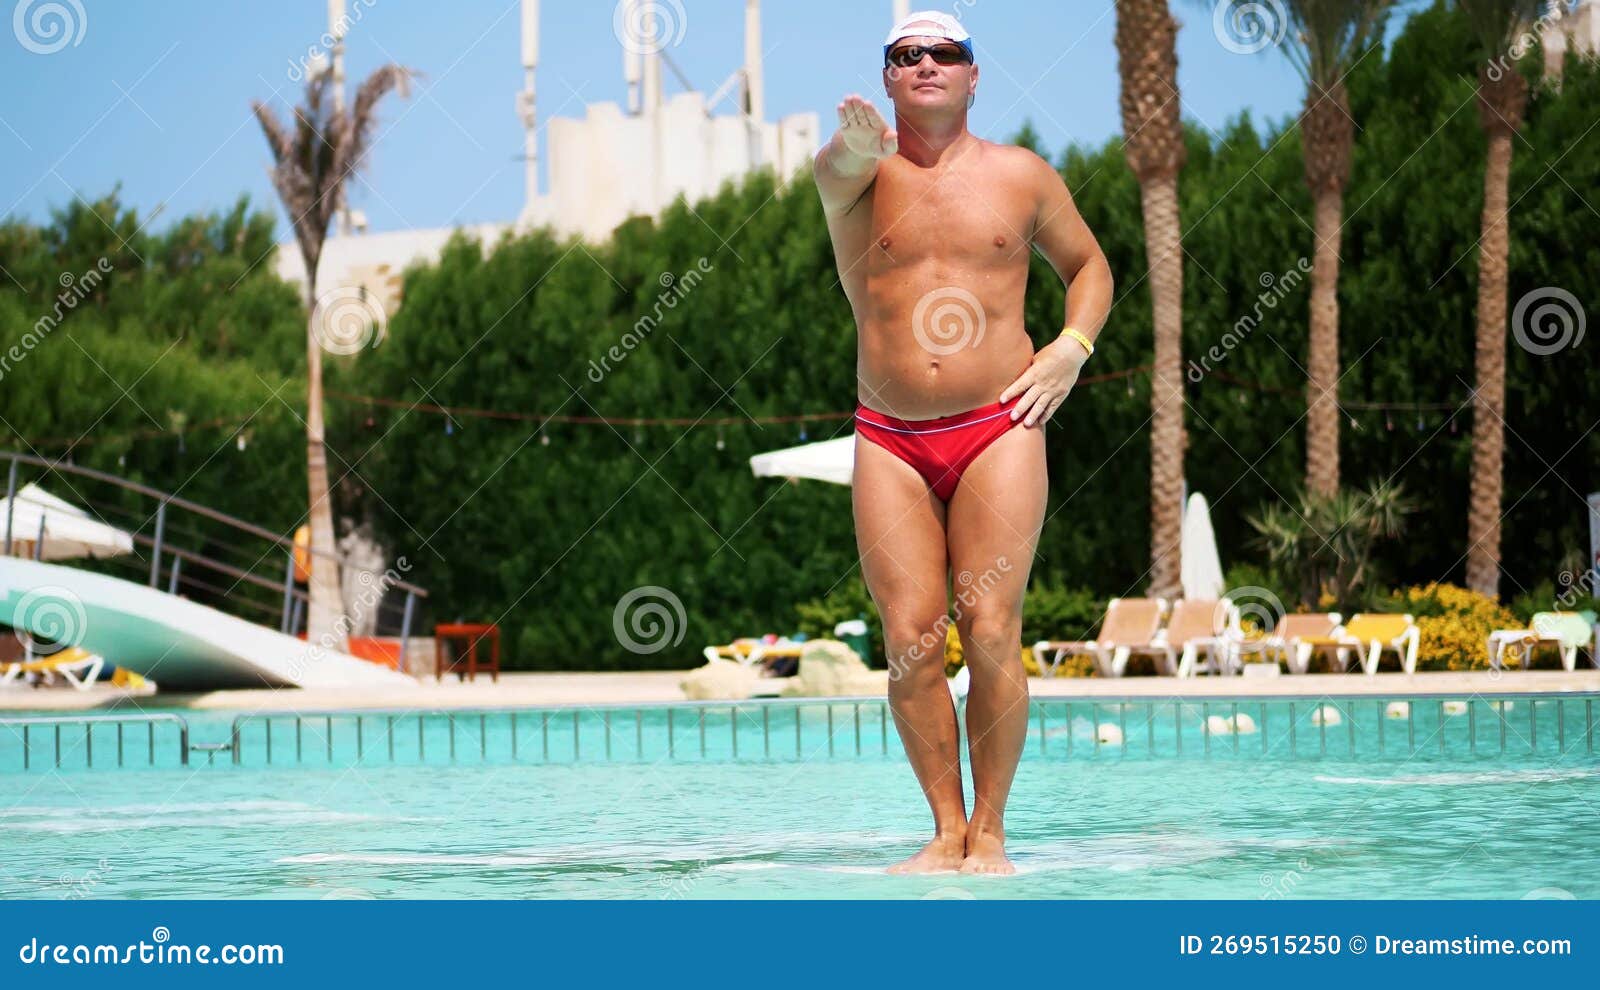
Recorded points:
(785, 730)
(68, 742)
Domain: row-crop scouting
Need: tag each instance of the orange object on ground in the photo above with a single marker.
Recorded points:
(472, 633)
(381, 650)
(302, 553)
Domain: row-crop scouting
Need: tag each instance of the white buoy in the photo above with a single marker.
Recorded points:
(961, 683)
(1108, 733)
(1326, 715)
(1397, 709)
(1243, 724)
(1455, 708)
(1504, 706)
(1216, 725)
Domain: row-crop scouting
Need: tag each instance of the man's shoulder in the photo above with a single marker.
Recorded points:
(1024, 160)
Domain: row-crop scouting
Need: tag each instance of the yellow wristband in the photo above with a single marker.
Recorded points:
(1088, 345)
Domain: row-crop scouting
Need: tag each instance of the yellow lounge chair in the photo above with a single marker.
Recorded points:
(1369, 634)
(1129, 625)
(77, 665)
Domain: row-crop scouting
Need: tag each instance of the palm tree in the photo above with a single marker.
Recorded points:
(1325, 39)
(1502, 98)
(1294, 538)
(312, 157)
(1147, 61)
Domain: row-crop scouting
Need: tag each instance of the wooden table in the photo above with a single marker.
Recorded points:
(473, 633)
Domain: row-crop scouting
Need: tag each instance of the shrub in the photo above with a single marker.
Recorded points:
(1454, 624)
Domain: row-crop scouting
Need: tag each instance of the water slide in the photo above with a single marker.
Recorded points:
(180, 644)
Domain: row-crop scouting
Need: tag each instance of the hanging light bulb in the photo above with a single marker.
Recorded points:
(720, 444)
(449, 427)
(241, 440)
(544, 439)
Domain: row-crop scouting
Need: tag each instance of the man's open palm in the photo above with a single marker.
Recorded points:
(864, 130)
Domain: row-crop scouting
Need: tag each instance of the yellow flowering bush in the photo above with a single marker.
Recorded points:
(1454, 624)
(954, 659)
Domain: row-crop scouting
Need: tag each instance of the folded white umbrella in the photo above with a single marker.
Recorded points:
(1202, 567)
(68, 531)
(829, 460)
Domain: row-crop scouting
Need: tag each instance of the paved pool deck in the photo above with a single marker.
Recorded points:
(526, 690)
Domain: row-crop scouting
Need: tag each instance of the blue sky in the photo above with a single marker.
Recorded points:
(156, 95)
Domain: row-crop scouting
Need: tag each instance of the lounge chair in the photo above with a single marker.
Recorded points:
(1129, 624)
(1567, 631)
(754, 652)
(1369, 635)
(1294, 639)
(78, 666)
(1200, 624)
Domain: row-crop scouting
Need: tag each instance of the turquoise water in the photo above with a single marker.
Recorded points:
(1321, 813)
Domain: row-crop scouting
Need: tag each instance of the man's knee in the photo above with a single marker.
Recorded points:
(915, 644)
(992, 630)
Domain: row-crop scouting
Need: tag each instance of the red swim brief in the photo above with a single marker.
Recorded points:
(940, 449)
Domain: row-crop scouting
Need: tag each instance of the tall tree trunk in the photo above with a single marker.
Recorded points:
(1322, 415)
(1502, 100)
(1152, 126)
(325, 611)
(1163, 247)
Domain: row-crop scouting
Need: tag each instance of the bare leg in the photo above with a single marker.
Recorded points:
(900, 532)
(994, 521)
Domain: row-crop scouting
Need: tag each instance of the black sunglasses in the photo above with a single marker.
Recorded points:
(907, 56)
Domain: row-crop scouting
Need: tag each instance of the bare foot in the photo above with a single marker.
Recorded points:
(986, 853)
(942, 855)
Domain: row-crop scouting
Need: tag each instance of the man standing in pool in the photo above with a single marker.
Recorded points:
(932, 229)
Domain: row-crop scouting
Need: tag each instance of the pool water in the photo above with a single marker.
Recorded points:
(1098, 821)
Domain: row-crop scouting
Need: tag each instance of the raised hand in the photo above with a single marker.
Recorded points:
(864, 131)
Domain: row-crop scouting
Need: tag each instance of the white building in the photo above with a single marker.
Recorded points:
(1577, 29)
(609, 165)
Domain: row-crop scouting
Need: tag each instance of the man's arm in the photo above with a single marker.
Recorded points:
(1067, 243)
(848, 164)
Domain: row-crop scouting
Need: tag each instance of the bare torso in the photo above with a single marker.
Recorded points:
(934, 262)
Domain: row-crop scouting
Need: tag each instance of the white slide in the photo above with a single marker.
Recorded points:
(178, 643)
